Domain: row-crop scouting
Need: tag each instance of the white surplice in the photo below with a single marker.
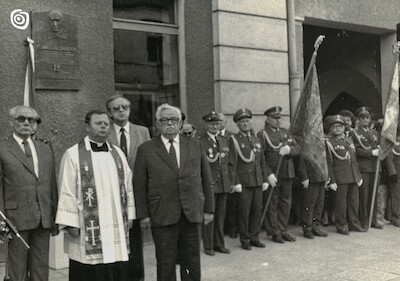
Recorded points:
(70, 204)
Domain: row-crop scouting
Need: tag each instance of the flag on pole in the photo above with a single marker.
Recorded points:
(307, 126)
(29, 89)
(390, 121)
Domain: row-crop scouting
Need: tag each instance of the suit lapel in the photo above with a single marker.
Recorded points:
(20, 155)
(134, 137)
(163, 153)
(184, 151)
(112, 137)
(40, 154)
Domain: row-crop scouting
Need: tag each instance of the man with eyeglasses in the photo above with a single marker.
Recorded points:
(128, 137)
(216, 148)
(278, 144)
(173, 192)
(344, 175)
(366, 141)
(28, 196)
(188, 130)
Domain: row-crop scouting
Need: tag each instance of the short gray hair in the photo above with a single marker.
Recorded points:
(12, 113)
(114, 97)
(166, 106)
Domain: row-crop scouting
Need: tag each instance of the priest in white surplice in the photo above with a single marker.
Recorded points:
(96, 204)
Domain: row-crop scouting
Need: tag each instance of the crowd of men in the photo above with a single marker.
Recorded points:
(117, 182)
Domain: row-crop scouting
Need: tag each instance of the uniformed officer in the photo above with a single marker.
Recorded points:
(276, 144)
(348, 118)
(217, 152)
(345, 177)
(249, 177)
(366, 141)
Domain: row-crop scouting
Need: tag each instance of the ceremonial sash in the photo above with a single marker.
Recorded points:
(333, 152)
(268, 140)
(93, 246)
(358, 137)
(239, 152)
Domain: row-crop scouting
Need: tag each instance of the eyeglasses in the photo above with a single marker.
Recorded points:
(188, 133)
(123, 106)
(21, 119)
(165, 120)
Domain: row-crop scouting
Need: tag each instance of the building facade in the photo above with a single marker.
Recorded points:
(202, 55)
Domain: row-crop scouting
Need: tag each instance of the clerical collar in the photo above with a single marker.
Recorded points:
(97, 146)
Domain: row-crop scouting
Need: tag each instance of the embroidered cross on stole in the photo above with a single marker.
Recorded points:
(93, 246)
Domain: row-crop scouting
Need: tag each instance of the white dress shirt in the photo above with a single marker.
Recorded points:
(176, 146)
(127, 135)
(33, 149)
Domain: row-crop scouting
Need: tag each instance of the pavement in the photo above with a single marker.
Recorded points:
(374, 255)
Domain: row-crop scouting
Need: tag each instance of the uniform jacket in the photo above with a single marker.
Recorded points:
(27, 200)
(251, 174)
(218, 157)
(138, 135)
(308, 172)
(162, 192)
(365, 142)
(342, 171)
(272, 155)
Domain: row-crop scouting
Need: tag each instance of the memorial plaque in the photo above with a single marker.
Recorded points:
(56, 50)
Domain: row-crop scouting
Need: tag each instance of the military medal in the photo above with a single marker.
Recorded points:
(222, 155)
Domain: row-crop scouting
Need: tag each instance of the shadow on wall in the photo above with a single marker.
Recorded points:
(346, 88)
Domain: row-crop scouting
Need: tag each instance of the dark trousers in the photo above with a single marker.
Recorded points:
(313, 205)
(346, 207)
(99, 272)
(181, 239)
(33, 262)
(250, 214)
(394, 200)
(365, 193)
(279, 207)
(232, 214)
(213, 232)
(135, 266)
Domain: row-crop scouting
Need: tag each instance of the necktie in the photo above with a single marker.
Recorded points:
(172, 154)
(28, 152)
(123, 145)
(96, 148)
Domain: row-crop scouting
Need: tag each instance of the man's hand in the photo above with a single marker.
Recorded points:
(360, 183)
(305, 183)
(73, 231)
(208, 218)
(145, 223)
(264, 186)
(272, 180)
(237, 188)
(333, 186)
(130, 224)
(375, 152)
(55, 230)
(285, 150)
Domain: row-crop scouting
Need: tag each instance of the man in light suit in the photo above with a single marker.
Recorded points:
(28, 195)
(128, 137)
(172, 185)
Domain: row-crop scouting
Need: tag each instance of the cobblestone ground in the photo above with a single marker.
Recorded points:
(374, 256)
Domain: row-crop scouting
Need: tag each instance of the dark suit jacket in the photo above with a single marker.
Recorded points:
(221, 182)
(272, 156)
(138, 135)
(254, 173)
(27, 199)
(162, 192)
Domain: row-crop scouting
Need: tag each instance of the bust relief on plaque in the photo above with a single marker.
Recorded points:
(56, 50)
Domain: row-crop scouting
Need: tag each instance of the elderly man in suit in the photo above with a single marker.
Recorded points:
(172, 185)
(128, 137)
(28, 195)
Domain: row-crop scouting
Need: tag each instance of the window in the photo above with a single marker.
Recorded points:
(146, 58)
